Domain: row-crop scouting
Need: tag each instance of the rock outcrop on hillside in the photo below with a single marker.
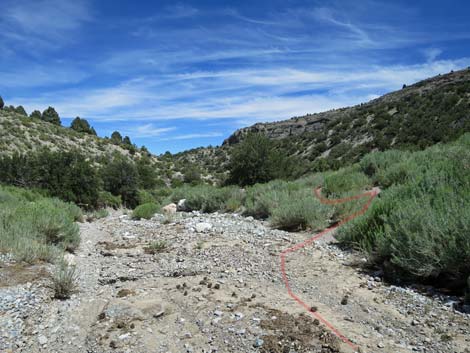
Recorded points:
(317, 122)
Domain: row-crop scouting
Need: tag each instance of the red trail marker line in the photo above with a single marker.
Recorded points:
(371, 195)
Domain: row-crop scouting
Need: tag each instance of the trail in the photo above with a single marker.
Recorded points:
(371, 195)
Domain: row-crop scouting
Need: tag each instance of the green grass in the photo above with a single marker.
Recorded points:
(146, 211)
(36, 228)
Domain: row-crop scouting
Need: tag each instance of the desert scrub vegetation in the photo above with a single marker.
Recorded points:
(146, 211)
(418, 228)
(36, 228)
(207, 198)
(64, 280)
(156, 247)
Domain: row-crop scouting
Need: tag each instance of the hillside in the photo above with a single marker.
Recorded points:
(22, 134)
(415, 117)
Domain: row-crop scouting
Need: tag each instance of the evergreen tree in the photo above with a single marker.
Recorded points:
(20, 110)
(116, 138)
(2, 103)
(82, 125)
(147, 173)
(256, 160)
(127, 141)
(36, 114)
(51, 116)
(120, 177)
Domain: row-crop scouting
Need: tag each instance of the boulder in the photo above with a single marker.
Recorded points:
(170, 208)
(182, 206)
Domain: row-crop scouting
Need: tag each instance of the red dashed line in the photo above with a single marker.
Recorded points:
(371, 195)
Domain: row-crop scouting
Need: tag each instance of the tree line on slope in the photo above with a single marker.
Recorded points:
(72, 177)
(78, 124)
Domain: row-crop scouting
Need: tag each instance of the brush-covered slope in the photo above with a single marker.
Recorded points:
(22, 134)
(415, 117)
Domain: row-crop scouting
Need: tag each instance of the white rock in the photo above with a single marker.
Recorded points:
(70, 259)
(170, 208)
(203, 227)
(42, 339)
(182, 206)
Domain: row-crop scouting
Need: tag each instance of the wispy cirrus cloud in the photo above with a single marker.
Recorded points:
(194, 136)
(42, 23)
(162, 70)
(147, 130)
(253, 95)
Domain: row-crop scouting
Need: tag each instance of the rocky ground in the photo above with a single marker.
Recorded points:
(212, 283)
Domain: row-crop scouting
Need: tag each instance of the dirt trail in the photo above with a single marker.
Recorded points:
(220, 290)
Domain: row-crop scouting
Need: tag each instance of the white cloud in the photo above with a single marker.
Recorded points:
(431, 54)
(42, 24)
(146, 130)
(268, 94)
(193, 136)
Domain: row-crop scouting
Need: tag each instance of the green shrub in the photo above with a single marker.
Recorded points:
(156, 247)
(298, 210)
(34, 228)
(101, 213)
(206, 198)
(373, 163)
(106, 199)
(64, 280)
(345, 180)
(261, 199)
(147, 211)
(419, 227)
(145, 196)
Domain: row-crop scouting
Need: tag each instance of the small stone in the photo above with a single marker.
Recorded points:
(380, 345)
(239, 316)
(218, 313)
(42, 340)
(216, 286)
(241, 331)
(124, 293)
(258, 343)
(344, 301)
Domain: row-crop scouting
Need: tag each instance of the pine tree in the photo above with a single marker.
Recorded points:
(20, 110)
(116, 138)
(82, 125)
(51, 116)
(36, 114)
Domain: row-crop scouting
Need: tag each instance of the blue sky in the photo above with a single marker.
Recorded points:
(175, 75)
